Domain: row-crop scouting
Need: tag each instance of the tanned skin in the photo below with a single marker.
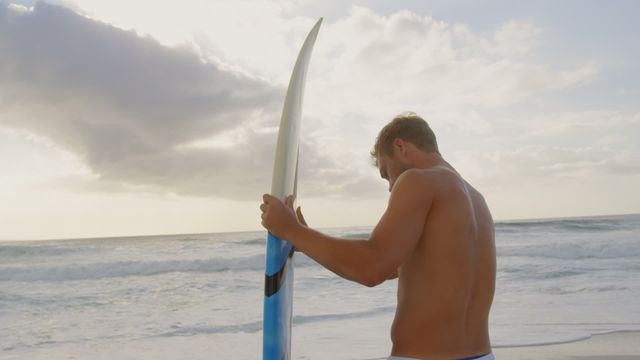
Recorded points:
(436, 236)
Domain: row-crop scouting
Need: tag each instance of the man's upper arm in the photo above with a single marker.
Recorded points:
(399, 230)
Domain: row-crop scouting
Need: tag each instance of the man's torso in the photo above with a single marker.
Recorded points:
(446, 287)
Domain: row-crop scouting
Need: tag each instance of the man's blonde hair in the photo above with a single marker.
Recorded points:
(409, 127)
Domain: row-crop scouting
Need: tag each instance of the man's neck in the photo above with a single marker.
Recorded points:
(428, 160)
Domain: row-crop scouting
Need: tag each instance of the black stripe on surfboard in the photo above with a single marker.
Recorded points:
(273, 283)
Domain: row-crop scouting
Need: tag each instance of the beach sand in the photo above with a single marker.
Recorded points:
(615, 346)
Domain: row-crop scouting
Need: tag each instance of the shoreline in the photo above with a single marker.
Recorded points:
(561, 342)
(616, 345)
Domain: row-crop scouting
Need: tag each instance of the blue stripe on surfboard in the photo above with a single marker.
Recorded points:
(277, 254)
(277, 307)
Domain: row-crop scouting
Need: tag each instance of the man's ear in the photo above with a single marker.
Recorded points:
(399, 145)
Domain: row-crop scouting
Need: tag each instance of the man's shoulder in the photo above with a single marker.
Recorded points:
(412, 182)
(440, 180)
(419, 181)
(436, 174)
(411, 189)
(414, 177)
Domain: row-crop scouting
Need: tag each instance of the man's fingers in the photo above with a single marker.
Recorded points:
(300, 216)
(263, 207)
(267, 198)
(289, 201)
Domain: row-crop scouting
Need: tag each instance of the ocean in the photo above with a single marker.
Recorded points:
(200, 296)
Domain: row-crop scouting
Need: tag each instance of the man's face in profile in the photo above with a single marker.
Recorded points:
(390, 168)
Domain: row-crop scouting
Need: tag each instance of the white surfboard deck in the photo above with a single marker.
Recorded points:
(278, 299)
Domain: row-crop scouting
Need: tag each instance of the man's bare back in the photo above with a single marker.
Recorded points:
(436, 236)
(446, 287)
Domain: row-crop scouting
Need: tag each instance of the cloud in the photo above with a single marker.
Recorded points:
(415, 61)
(200, 118)
(539, 161)
(563, 146)
(369, 67)
(144, 116)
(515, 38)
(125, 104)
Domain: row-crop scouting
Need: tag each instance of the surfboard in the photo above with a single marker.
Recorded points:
(278, 288)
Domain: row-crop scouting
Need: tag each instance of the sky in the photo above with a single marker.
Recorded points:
(139, 117)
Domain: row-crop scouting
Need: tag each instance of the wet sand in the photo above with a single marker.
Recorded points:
(615, 346)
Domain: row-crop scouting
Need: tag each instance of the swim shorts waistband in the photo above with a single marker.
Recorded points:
(488, 356)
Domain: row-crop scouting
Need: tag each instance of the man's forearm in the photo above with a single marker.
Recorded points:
(351, 259)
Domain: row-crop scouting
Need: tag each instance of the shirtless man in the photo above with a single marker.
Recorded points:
(436, 236)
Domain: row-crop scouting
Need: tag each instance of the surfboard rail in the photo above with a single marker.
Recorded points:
(278, 287)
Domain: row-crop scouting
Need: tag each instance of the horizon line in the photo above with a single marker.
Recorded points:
(319, 228)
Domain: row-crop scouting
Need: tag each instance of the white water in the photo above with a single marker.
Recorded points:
(200, 296)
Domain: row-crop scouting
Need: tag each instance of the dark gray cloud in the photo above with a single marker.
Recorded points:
(126, 105)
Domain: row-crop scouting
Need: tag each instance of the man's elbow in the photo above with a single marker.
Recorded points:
(373, 278)
(372, 282)
(374, 270)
